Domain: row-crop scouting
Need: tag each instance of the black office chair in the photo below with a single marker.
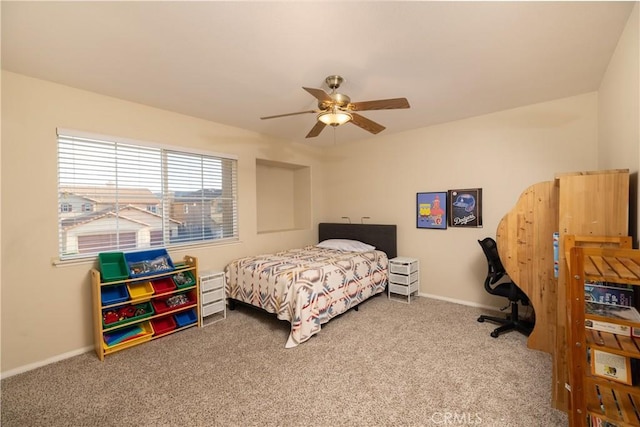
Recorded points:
(506, 289)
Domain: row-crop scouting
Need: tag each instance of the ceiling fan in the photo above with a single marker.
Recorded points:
(335, 109)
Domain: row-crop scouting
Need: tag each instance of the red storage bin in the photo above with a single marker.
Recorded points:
(163, 305)
(162, 325)
(161, 286)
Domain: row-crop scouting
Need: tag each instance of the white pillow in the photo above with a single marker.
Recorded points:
(345, 245)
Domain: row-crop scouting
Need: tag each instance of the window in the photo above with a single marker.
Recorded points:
(137, 196)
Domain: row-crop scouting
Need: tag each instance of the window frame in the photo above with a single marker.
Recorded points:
(230, 176)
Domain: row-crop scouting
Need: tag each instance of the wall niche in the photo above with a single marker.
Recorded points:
(283, 193)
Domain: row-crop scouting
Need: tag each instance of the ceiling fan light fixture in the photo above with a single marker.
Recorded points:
(335, 109)
(334, 117)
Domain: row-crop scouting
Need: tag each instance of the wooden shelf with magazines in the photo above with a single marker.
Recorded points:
(604, 336)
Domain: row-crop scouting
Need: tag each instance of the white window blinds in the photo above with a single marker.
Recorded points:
(117, 195)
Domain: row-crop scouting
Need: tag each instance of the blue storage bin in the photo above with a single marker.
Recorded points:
(186, 318)
(113, 294)
(148, 263)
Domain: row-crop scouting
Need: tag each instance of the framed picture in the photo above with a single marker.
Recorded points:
(431, 210)
(465, 207)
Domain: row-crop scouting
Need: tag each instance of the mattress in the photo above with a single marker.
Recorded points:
(307, 286)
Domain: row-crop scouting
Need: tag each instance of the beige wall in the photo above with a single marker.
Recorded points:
(45, 309)
(503, 153)
(283, 192)
(618, 112)
(275, 198)
(45, 313)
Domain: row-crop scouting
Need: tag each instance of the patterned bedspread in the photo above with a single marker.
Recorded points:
(307, 286)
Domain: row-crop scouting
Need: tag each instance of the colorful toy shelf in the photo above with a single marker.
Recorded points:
(134, 308)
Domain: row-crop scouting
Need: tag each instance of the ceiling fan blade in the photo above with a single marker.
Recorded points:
(319, 94)
(288, 114)
(366, 124)
(380, 104)
(315, 131)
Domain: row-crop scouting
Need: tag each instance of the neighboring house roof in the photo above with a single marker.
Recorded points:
(190, 196)
(107, 195)
(130, 213)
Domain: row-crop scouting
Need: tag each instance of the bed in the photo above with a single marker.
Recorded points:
(310, 286)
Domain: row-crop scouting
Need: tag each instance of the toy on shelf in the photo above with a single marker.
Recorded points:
(177, 300)
(148, 263)
(184, 279)
(157, 265)
(118, 315)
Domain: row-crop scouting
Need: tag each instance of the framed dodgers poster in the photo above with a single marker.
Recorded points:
(465, 208)
(431, 210)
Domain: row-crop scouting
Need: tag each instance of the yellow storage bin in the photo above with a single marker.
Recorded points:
(140, 290)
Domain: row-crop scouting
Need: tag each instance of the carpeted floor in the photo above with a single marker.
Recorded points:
(389, 364)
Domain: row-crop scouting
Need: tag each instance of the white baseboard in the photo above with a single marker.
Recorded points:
(41, 363)
(459, 301)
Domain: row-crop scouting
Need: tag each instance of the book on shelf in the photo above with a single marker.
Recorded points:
(615, 313)
(612, 328)
(612, 366)
(608, 293)
(595, 421)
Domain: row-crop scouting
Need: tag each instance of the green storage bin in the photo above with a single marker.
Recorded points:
(184, 279)
(113, 266)
(146, 307)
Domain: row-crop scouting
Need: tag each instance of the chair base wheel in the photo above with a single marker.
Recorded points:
(506, 324)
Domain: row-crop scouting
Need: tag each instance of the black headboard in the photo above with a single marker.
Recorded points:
(383, 237)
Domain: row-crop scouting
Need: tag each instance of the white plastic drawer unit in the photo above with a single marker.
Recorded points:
(212, 297)
(401, 265)
(403, 290)
(213, 308)
(211, 281)
(402, 279)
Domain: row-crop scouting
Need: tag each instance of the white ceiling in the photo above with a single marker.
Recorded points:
(233, 62)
